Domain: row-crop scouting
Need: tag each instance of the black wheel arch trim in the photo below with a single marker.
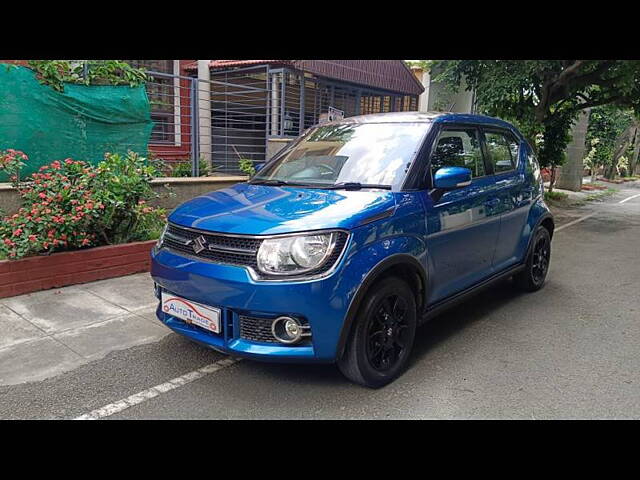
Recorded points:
(371, 277)
(542, 218)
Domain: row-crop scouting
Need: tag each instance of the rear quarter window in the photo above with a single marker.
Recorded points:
(502, 148)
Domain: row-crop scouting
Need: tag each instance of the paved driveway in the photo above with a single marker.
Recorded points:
(568, 351)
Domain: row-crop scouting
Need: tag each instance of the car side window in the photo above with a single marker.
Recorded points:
(458, 148)
(503, 151)
(533, 167)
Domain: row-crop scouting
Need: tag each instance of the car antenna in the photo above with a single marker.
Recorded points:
(451, 107)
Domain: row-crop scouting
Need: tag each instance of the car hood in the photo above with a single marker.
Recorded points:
(260, 209)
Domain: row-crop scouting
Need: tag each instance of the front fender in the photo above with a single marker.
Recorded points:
(369, 262)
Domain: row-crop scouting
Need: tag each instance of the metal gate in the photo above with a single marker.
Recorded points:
(239, 116)
(237, 113)
(212, 123)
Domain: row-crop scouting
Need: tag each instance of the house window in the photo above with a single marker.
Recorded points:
(162, 95)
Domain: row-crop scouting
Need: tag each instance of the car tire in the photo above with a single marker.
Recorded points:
(533, 276)
(382, 336)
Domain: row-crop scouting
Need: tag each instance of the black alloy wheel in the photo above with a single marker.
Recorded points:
(381, 339)
(533, 276)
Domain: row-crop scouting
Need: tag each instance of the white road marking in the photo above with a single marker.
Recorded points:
(629, 198)
(578, 220)
(152, 392)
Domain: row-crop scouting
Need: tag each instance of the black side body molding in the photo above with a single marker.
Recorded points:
(455, 299)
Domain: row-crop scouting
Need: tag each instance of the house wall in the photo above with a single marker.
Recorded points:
(274, 145)
(437, 99)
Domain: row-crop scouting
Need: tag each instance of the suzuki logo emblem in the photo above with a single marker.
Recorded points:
(199, 244)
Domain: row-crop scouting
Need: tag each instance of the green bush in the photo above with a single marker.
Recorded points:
(183, 169)
(246, 166)
(70, 204)
(123, 185)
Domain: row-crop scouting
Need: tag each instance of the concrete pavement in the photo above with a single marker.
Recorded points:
(568, 351)
(46, 333)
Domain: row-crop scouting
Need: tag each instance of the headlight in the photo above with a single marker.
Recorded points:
(161, 238)
(295, 255)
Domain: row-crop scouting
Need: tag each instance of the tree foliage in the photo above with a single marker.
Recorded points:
(56, 73)
(608, 135)
(543, 97)
(424, 64)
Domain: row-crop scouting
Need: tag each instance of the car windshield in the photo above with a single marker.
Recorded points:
(367, 155)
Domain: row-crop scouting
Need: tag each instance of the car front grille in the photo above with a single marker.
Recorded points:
(222, 249)
(234, 249)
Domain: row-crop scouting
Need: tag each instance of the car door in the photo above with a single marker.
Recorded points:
(505, 154)
(462, 226)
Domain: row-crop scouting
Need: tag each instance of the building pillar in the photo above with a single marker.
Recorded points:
(204, 111)
(570, 175)
(424, 78)
(423, 100)
(275, 105)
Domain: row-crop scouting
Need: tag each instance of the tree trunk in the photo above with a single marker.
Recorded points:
(569, 176)
(633, 161)
(622, 143)
(552, 178)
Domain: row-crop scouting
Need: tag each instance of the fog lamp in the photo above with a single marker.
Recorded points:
(289, 330)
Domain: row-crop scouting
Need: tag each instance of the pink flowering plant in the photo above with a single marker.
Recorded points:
(70, 204)
(11, 161)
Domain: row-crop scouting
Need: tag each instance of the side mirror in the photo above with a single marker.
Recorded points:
(450, 178)
(258, 166)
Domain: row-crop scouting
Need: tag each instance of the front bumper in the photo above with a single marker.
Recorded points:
(323, 303)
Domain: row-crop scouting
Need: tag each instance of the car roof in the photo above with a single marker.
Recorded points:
(425, 117)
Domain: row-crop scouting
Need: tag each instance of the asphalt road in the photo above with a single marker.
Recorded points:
(571, 350)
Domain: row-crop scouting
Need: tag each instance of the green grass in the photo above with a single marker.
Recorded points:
(555, 196)
(596, 197)
(560, 199)
(600, 196)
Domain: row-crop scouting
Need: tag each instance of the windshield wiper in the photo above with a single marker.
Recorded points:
(355, 186)
(337, 186)
(277, 183)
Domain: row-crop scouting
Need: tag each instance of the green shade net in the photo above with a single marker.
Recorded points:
(82, 123)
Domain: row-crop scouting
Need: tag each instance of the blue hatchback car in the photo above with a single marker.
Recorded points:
(351, 237)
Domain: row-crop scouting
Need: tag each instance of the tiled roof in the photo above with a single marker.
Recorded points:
(393, 75)
(218, 64)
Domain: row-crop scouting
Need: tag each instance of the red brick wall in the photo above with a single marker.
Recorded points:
(68, 268)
